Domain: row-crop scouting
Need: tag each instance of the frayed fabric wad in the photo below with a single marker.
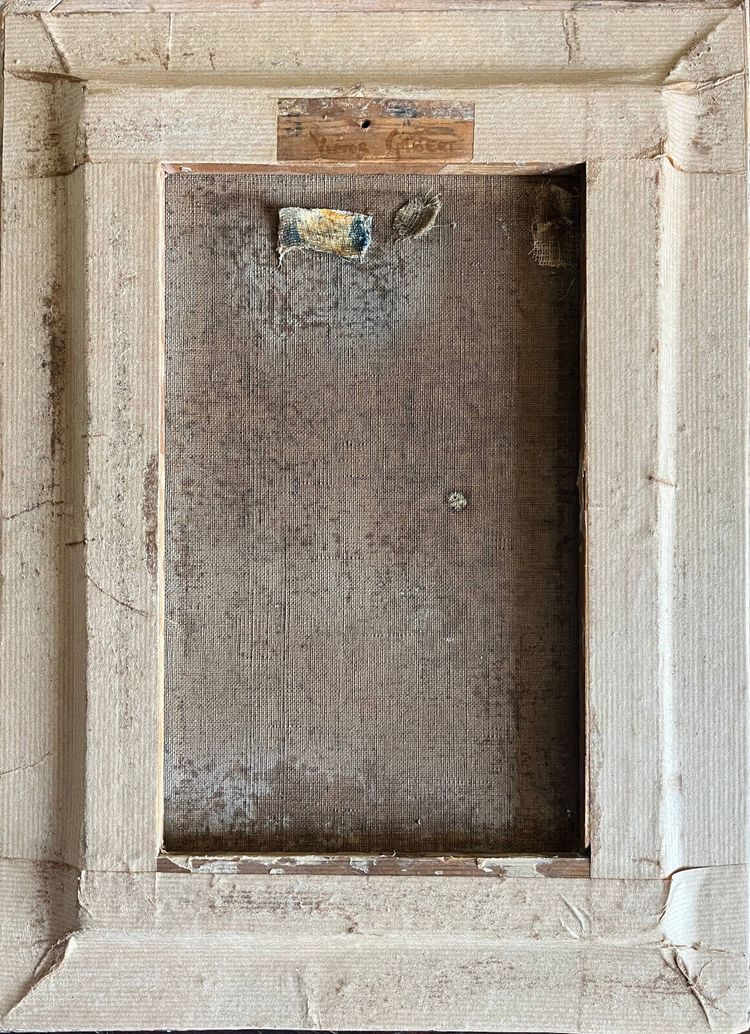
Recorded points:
(417, 217)
(346, 234)
(554, 232)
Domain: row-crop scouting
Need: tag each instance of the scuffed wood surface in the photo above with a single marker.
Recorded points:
(550, 87)
(157, 950)
(39, 760)
(366, 129)
(702, 483)
(335, 953)
(235, 124)
(119, 417)
(38, 907)
(493, 47)
(666, 438)
(556, 867)
(622, 412)
(321, 6)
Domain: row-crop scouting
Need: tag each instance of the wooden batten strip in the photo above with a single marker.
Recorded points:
(640, 42)
(622, 518)
(703, 484)
(666, 433)
(568, 867)
(523, 125)
(323, 6)
(333, 129)
(37, 738)
(121, 239)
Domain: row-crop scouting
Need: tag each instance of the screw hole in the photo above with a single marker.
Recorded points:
(364, 124)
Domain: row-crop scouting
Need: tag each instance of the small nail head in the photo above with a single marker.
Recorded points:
(457, 501)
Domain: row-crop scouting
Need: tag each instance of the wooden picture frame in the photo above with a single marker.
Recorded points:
(646, 932)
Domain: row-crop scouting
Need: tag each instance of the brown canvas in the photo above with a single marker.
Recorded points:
(372, 520)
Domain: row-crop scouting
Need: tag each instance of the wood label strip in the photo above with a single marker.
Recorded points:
(350, 129)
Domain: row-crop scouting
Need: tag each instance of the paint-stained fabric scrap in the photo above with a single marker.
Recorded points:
(346, 234)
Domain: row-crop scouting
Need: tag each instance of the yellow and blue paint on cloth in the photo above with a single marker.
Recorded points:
(346, 234)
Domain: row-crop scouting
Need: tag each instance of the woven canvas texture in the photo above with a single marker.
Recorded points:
(356, 660)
